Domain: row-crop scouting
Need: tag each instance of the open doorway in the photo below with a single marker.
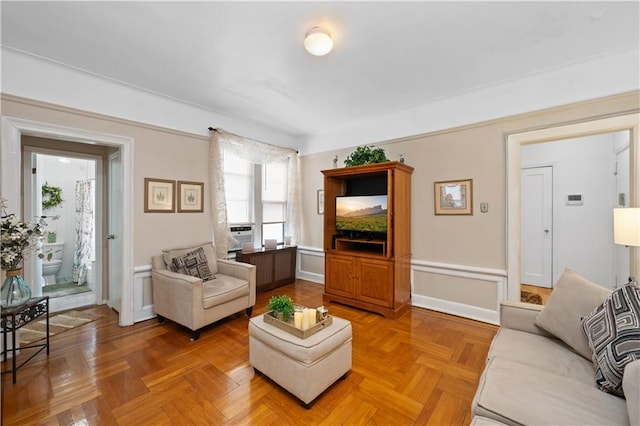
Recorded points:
(569, 188)
(71, 251)
(66, 187)
(576, 233)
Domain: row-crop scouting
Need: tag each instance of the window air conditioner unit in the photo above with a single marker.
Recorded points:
(242, 234)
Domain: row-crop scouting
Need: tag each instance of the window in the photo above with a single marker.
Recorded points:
(274, 200)
(238, 188)
(256, 194)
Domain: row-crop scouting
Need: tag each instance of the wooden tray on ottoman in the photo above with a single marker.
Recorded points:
(290, 328)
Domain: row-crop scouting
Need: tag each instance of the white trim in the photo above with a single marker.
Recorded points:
(462, 268)
(141, 312)
(514, 141)
(306, 275)
(12, 130)
(457, 309)
(496, 276)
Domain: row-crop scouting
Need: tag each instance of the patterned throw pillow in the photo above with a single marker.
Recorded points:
(613, 331)
(193, 263)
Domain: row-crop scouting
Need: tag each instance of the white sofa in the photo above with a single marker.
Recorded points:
(186, 298)
(534, 378)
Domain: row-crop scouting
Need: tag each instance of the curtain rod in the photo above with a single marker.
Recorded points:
(213, 129)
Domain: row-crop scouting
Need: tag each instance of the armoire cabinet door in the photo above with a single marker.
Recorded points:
(375, 277)
(340, 275)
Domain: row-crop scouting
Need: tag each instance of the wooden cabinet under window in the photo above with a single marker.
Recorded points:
(369, 271)
(274, 267)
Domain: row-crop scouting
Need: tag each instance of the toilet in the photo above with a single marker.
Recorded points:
(50, 268)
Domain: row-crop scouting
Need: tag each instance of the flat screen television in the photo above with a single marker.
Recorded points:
(365, 213)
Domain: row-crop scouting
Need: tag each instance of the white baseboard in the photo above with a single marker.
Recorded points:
(455, 308)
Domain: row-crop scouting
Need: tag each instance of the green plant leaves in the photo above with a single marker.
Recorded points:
(365, 155)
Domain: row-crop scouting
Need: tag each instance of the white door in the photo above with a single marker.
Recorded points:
(113, 234)
(621, 253)
(536, 226)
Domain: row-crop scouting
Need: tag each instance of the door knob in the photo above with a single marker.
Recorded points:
(546, 231)
(111, 237)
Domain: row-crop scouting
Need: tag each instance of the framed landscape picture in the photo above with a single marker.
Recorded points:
(454, 197)
(159, 195)
(190, 196)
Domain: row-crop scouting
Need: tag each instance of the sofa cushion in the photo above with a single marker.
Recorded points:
(572, 299)
(546, 353)
(613, 331)
(631, 386)
(193, 263)
(209, 252)
(224, 289)
(518, 394)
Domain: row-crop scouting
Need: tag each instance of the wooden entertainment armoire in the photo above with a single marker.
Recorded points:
(369, 273)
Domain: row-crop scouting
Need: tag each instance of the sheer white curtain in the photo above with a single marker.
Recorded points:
(256, 152)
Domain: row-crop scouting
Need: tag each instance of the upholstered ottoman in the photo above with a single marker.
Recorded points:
(304, 367)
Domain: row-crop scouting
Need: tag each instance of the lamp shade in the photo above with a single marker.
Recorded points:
(318, 42)
(626, 226)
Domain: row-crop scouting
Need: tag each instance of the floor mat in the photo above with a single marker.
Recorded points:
(58, 323)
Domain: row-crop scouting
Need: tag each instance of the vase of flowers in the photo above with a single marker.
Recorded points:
(19, 239)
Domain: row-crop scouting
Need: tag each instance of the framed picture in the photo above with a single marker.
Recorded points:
(159, 195)
(190, 197)
(454, 197)
(320, 201)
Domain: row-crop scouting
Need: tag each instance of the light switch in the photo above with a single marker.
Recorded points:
(484, 207)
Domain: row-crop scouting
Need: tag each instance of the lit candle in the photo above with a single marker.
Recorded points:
(297, 319)
(305, 319)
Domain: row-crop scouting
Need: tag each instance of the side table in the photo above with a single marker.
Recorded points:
(12, 319)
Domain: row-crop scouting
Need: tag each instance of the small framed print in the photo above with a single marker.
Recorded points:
(190, 197)
(320, 201)
(454, 197)
(159, 195)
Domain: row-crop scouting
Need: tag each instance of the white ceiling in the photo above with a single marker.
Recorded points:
(246, 59)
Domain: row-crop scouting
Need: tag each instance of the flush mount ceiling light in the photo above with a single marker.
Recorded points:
(318, 41)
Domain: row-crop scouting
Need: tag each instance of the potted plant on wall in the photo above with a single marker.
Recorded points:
(281, 307)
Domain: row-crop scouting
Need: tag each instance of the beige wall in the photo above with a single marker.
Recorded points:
(158, 153)
(474, 151)
(477, 152)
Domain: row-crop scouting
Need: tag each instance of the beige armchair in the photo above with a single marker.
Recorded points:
(193, 288)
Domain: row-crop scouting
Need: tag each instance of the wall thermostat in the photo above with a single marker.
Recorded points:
(574, 199)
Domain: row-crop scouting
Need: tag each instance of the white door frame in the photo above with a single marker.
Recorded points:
(10, 178)
(514, 141)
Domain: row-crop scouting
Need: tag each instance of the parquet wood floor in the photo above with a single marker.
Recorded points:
(420, 369)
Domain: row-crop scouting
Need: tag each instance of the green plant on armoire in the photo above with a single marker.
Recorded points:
(365, 155)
